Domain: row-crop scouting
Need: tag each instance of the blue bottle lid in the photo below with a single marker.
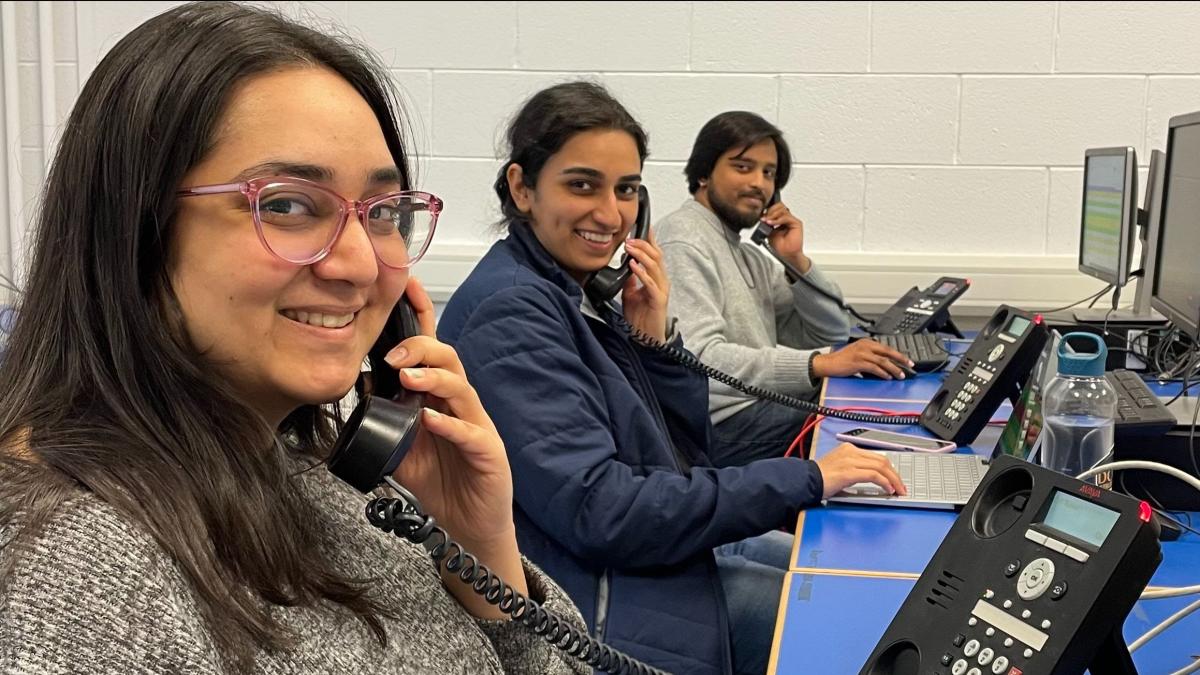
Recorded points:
(1082, 364)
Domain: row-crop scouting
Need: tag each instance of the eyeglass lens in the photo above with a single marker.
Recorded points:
(299, 221)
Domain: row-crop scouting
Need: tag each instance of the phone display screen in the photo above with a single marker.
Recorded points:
(1018, 326)
(1080, 518)
(945, 288)
(902, 439)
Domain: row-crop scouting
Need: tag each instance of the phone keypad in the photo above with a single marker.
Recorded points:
(1010, 623)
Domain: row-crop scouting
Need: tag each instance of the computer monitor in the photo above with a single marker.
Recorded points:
(1176, 286)
(1108, 219)
(1148, 219)
(1109, 213)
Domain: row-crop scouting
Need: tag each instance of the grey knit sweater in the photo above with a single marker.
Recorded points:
(94, 593)
(738, 313)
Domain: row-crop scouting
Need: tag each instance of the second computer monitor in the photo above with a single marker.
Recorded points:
(1176, 291)
(1109, 214)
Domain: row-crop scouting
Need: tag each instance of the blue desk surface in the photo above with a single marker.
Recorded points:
(886, 541)
(854, 565)
(832, 623)
(867, 538)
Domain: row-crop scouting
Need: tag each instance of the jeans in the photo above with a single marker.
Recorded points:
(751, 572)
(765, 429)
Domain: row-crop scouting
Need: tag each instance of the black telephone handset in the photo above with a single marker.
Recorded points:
(919, 310)
(762, 231)
(997, 364)
(604, 284)
(384, 424)
(1037, 575)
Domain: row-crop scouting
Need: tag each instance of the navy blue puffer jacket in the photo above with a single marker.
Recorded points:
(615, 498)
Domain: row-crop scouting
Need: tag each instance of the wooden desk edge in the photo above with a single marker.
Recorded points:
(784, 594)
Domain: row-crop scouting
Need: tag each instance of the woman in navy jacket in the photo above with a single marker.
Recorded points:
(615, 497)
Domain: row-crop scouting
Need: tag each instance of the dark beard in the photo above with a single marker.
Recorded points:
(730, 216)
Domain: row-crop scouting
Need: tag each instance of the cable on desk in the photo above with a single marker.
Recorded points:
(1170, 592)
(814, 419)
(1137, 464)
(809, 423)
(1120, 485)
(1171, 621)
(1102, 291)
(1191, 668)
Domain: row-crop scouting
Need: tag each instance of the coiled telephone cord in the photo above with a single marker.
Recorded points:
(695, 365)
(403, 517)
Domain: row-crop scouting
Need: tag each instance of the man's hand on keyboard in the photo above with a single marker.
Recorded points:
(847, 465)
(861, 356)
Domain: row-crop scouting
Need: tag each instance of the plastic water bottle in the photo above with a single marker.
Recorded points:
(1078, 410)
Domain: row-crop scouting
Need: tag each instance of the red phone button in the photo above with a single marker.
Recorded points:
(1014, 671)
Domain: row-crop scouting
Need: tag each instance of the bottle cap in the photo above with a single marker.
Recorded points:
(1088, 363)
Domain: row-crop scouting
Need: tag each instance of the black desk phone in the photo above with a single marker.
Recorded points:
(923, 310)
(994, 368)
(1035, 577)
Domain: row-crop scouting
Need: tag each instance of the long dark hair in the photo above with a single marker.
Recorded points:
(547, 120)
(735, 129)
(100, 381)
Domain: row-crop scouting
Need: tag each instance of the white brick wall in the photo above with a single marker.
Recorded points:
(927, 136)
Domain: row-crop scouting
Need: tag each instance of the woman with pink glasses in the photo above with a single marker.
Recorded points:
(226, 229)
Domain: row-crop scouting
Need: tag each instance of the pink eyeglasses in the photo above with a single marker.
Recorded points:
(299, 221)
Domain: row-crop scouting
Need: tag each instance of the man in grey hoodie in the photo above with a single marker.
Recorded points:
(737, 309)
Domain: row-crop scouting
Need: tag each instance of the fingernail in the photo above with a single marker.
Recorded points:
(432, 413)
(414, 373)
(396, 356)
(911, 364)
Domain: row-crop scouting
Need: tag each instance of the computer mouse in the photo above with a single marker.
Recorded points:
(904, 368)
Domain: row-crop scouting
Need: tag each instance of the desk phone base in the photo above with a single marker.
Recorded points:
(1035, 577)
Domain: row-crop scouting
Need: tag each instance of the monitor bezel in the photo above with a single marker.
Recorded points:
(1129, 202)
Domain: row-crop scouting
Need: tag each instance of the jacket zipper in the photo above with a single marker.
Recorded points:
(642, 384)
(652, 401)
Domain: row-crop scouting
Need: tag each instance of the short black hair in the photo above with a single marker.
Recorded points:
(548, 120)
(735, 129)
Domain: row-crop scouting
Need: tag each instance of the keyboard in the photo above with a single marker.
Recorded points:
(933, 480)
(1139, 410)
(926, 350)
(942, 477)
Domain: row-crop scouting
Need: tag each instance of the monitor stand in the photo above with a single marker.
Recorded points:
(1119, 316)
